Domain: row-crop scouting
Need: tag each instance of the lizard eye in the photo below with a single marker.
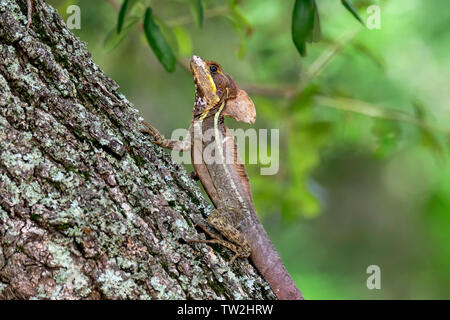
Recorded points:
(213, 69)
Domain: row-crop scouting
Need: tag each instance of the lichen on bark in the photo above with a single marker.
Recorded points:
(89, 207)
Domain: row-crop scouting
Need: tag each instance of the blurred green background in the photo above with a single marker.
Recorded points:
(364, 173)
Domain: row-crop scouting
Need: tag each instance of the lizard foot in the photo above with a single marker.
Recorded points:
(152, 132)
(239, 251)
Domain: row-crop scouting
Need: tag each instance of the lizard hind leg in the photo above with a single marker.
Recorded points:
(216, 239)
(240, 251)
(236, 240)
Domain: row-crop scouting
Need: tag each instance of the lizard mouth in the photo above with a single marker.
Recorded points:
(198, 69)
(203, 80)
(196, 62)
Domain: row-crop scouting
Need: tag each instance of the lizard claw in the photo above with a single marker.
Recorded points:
(233, 259)
(188, 240)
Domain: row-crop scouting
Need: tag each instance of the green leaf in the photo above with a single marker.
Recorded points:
(136, 9)
(184, 41)
(303, 100)
(238, 19)
(242, 49)
(348, 5)
(122, 14)
(419, 110)
(375, 57)
(387, 134)
(242, 26)
(158, 43)
(303, 23)
(429, 140)
(198, 12)
(316, 32)
(113, 38)
(168, 34)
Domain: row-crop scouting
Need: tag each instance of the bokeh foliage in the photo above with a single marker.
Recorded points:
(364, 126)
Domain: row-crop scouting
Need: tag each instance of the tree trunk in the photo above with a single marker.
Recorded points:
(89, 207)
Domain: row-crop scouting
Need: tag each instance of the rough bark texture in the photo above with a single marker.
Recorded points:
(89, 207)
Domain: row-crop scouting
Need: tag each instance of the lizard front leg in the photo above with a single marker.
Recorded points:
(236, 239)
(29, 12)
(184, 145)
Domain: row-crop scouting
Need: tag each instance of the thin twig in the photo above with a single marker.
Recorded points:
(375, 111)
(284, 91)
(328, 54)
(314, 70)
(318, 65)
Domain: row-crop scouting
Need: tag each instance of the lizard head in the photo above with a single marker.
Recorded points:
(214, 87)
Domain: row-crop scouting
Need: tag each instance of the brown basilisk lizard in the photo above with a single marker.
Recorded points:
(223, 175)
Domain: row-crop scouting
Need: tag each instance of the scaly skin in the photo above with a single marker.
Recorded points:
(29, 12)
(225, 181)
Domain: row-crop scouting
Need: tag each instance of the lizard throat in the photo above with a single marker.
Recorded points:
(202, 108)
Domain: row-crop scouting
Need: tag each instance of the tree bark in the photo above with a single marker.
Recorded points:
(89, 207)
